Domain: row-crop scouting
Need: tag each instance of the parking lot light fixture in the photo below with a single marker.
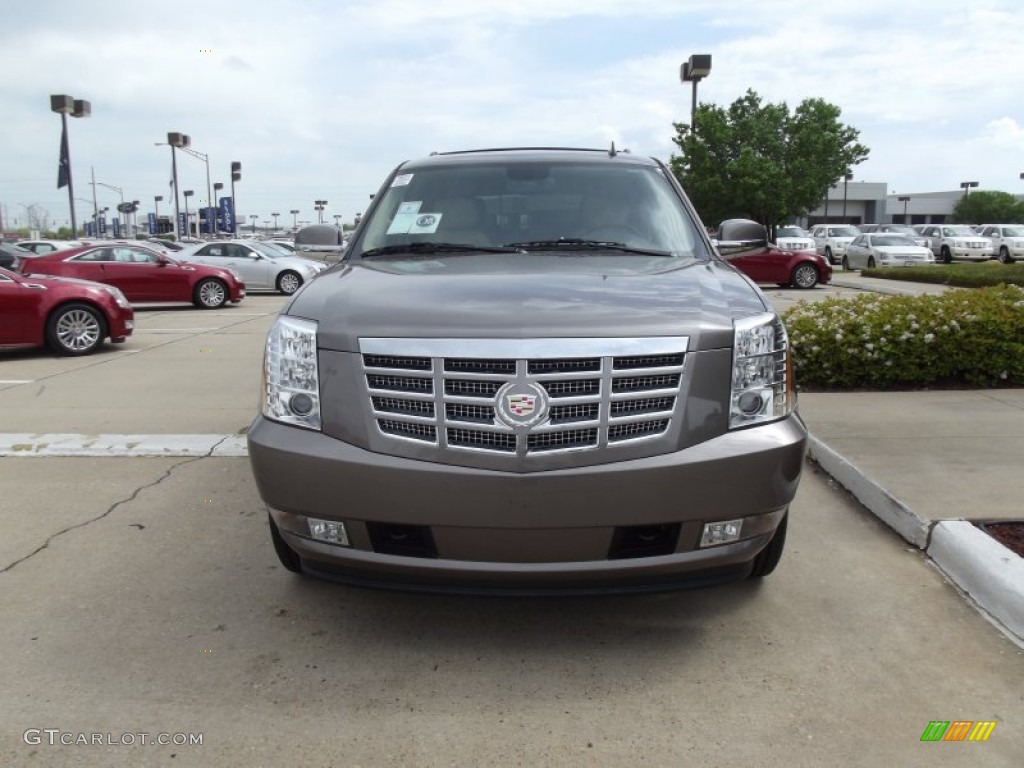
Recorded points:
(967, 186)
(275, 215)
(65, 105)
(319, 206)
(295, 218)
(176, 140)
(904, 199)
(253, 216)
(695, 69)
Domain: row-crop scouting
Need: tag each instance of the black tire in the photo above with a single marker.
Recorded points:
(289, 282)
(75, 329)
(289, 557)
(210, 293)
(946, 255)
(1004, 255)
(828, 255)
(846, 264)
(871, 262)
(804, 276)
(768, 558)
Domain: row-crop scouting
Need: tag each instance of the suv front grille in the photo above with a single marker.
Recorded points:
(600, 393)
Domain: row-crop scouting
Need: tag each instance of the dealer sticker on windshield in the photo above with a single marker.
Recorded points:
(402, 179)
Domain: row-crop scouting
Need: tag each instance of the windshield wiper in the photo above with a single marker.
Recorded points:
(422, 246)
(578, 243)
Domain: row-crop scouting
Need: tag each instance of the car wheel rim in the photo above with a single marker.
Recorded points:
(289, 283)
(806, 277)
(211, 294)
(78, 330)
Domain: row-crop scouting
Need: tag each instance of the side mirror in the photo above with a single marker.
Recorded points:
(736, 235)
(162, 261)
(256, 255)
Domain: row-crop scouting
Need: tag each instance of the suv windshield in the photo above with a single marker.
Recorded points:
(893, 239)
(537, 205)
(843, 231)
(792, 232)
(960, 231)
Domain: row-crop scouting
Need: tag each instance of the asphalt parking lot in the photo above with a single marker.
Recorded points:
(141, 595)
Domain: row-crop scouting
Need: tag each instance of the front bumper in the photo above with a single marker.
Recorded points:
(541, 532)
(973, 254)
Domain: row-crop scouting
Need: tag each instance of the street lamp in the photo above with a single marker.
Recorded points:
(253, 216)
(295, 214)
(236, 175)
(176, 141)
(846, 180)
(693, 71)
(66, 105)
(967, 186)
(188, 224)
(319, 206)
(275, 215)
(904, 199)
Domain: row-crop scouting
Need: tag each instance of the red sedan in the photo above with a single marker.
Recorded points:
(73, 317)
(770, 264)
(142, 274)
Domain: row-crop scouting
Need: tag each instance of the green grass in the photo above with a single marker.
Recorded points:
(960, 275)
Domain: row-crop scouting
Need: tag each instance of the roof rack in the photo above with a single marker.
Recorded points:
(519, 149)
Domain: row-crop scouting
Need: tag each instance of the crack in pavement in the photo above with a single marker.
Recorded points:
(134, 495)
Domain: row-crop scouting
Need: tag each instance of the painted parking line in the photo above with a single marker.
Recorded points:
(175, 330)
(16, 381)
(29, 445)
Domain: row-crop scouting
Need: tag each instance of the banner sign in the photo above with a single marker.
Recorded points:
(117, 227)
(151, 218)
(103, 226)
(182, 225)
(226, 219)
(90, 229)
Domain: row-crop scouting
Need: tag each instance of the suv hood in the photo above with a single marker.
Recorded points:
(526, 296)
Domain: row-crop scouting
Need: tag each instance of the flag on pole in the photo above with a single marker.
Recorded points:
(64, 168)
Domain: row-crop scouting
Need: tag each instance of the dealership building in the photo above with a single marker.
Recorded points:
(866, 202)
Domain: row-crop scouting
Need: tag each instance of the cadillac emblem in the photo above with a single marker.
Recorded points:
(522, 404)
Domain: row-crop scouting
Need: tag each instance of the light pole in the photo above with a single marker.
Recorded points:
(188, 224)
(846, 180)
(319, 205)
(295, 215)
(693, 71)
(275, 215)
(967, 186)
(236, 175)
(66, 105)
(253, 216)
(176, 141)
(156, 213)
(337, 217)
(904, 199)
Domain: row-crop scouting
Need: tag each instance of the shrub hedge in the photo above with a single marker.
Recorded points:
(961, 275)
(971, 337)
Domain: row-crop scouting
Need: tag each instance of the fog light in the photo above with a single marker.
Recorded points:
(723, 532)
(750, 403)
(328, 531)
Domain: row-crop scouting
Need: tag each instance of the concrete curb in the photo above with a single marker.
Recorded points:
(989, 573)
(889, 290)
(882, 504)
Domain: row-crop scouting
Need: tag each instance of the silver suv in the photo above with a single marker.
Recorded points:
(830, 240)
(530, 373)
(956, 241)
(1007, 241)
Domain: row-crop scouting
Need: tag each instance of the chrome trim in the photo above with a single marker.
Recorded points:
(525, 348)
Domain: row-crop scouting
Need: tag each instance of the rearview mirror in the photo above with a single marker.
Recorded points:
(741, 234)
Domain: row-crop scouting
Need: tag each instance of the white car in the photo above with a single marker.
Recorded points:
(956, 241)
(899, 229)
(40, 247)
(262, 267)
(793, 238)
(830, 240)
(1007, 241)
(885, 249)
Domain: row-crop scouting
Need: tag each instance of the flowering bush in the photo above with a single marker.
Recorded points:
(960, 337)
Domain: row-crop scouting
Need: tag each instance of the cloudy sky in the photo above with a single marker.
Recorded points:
(320, 99)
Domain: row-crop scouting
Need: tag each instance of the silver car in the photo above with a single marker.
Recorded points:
(262, 266)
(1007, 241)
(885, 249)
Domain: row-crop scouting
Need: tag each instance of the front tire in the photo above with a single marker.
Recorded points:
(75, 329)
(289, 282)
(1004, 255)
(871, 262)
(804, 276)
(828, 255)
(768, 558)
(846, 264)
(946, 255)
(210, 293)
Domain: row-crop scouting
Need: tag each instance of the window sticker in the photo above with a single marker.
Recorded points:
(402, 179)
(405, 217)
(425, 223)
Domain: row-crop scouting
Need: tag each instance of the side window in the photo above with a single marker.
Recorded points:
(215, 251)
(100, 254)
(141, 256)
(235, 251)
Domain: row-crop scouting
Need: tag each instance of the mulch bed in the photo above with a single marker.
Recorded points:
(1009, 534)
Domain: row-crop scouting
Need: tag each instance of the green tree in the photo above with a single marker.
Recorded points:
(988, 208)
(762, 162)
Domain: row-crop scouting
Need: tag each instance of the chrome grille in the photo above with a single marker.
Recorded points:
(601, 393)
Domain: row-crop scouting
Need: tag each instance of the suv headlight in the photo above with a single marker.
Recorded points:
(762, 373)
(291, 380)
